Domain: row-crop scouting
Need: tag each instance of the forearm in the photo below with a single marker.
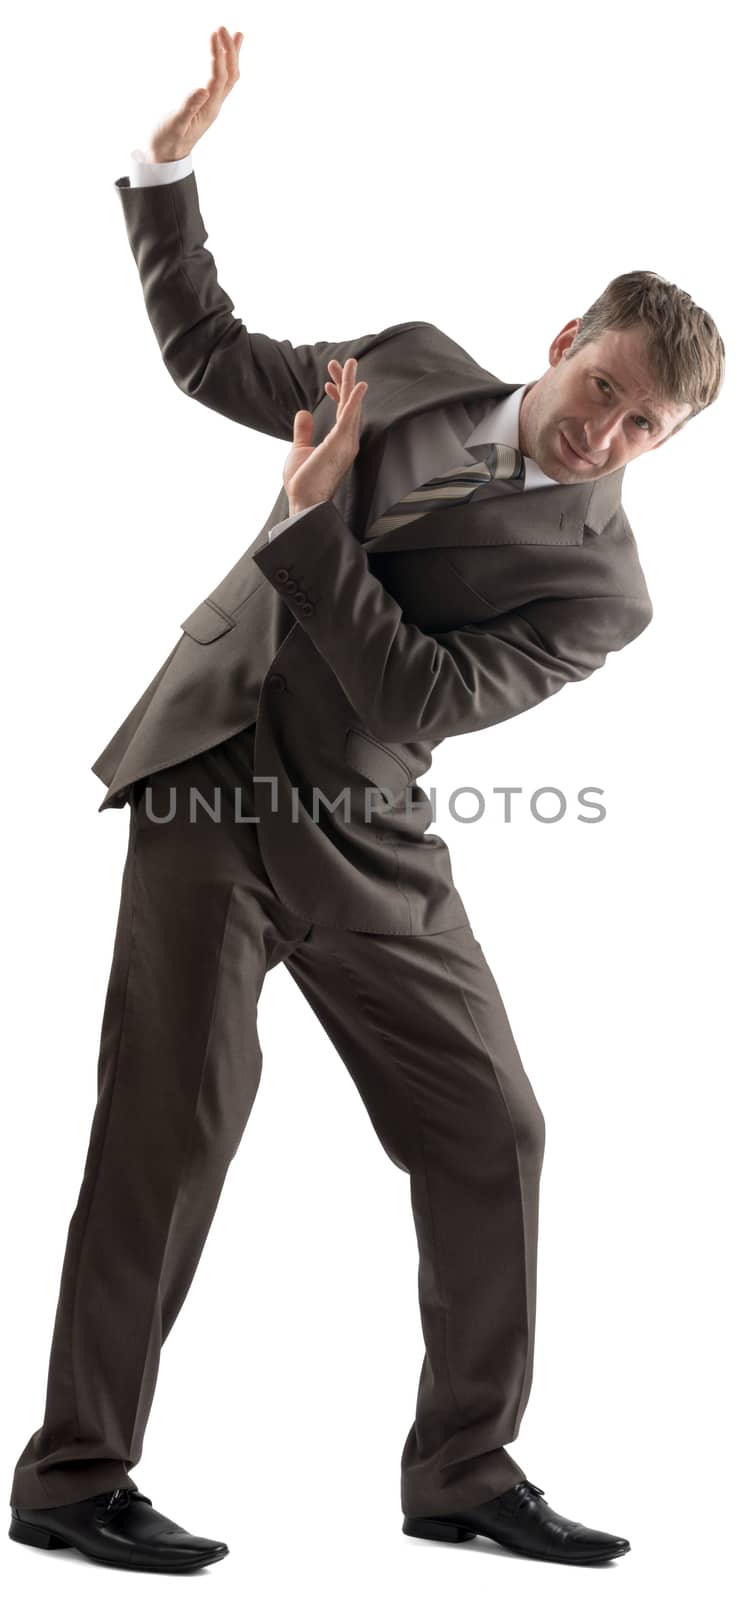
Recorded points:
(408, 684)
(251, 378)
(206, 349)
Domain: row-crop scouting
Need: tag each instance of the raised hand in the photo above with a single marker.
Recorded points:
(177, 134)
(314, 472)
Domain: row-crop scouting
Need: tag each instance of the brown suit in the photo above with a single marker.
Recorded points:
(461, 619)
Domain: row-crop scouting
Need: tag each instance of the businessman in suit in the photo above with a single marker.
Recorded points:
(447, 551)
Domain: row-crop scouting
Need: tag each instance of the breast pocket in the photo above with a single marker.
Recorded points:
(207, 622)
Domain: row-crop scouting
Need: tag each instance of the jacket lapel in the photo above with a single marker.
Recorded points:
(536, 516)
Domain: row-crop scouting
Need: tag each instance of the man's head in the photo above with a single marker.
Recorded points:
(622, 379)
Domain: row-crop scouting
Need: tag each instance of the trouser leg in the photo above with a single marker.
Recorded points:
(178, 1071)
(419, 1023)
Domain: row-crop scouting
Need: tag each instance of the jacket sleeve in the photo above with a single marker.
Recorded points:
(211, 356)
(406, 683)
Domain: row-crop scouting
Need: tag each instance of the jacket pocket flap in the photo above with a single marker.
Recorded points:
(375, 761)
(207, 622)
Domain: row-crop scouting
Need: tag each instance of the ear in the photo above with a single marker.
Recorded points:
(563, 341)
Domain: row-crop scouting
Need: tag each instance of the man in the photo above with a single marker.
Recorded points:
(454, 559)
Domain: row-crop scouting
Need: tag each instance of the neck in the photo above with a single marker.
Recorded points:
(525, 417)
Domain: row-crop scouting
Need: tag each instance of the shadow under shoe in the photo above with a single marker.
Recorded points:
(121, 1528)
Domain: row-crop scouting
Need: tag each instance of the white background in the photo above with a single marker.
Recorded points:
(488, 168)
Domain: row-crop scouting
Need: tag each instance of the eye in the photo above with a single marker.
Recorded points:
(605, 388)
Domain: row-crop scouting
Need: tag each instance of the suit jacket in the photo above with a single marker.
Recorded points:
(356, 657)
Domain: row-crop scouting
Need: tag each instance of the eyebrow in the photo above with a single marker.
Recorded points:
(651, 415)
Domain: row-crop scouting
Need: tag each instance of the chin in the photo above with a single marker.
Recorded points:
(581, 472)
(557, 468)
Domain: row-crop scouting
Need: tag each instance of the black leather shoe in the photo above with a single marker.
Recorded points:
(118, 1528)
(522, 1521)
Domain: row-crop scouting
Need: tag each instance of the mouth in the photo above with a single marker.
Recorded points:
(572, 455)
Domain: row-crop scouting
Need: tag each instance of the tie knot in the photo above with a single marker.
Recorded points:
(502, 460)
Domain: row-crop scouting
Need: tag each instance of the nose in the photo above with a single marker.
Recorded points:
(599, 432)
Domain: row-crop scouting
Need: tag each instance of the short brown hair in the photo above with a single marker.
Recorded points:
(685, 350)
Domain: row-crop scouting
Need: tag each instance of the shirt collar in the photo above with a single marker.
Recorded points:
(501, 425)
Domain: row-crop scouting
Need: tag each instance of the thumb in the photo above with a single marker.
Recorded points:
(303, 428)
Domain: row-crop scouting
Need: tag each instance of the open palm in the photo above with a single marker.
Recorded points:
(314, 472)
(177, 134)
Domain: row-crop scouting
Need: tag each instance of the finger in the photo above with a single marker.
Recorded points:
(356, 394)
(214, 81)
(333, 387)
(231, 59)
(355, 406)
(337, 372)
(219, 70)
(303, 428)
(347, 379)
(349, 413)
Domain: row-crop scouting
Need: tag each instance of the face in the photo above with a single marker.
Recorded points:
(593, 411)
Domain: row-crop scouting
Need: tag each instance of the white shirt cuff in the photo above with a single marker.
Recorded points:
(145, 173)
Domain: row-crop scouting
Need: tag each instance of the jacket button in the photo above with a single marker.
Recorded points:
(277, 680)
(282, 573)
(290, 586)
(308, 607)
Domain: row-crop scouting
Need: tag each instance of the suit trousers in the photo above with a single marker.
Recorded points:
(419, 1023)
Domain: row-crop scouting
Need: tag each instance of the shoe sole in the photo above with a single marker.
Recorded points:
(454, 1533)
(44, 1539)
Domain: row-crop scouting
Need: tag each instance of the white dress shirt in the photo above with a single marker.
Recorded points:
(420, 447)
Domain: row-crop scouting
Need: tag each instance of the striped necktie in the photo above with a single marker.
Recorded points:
(498, 461)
